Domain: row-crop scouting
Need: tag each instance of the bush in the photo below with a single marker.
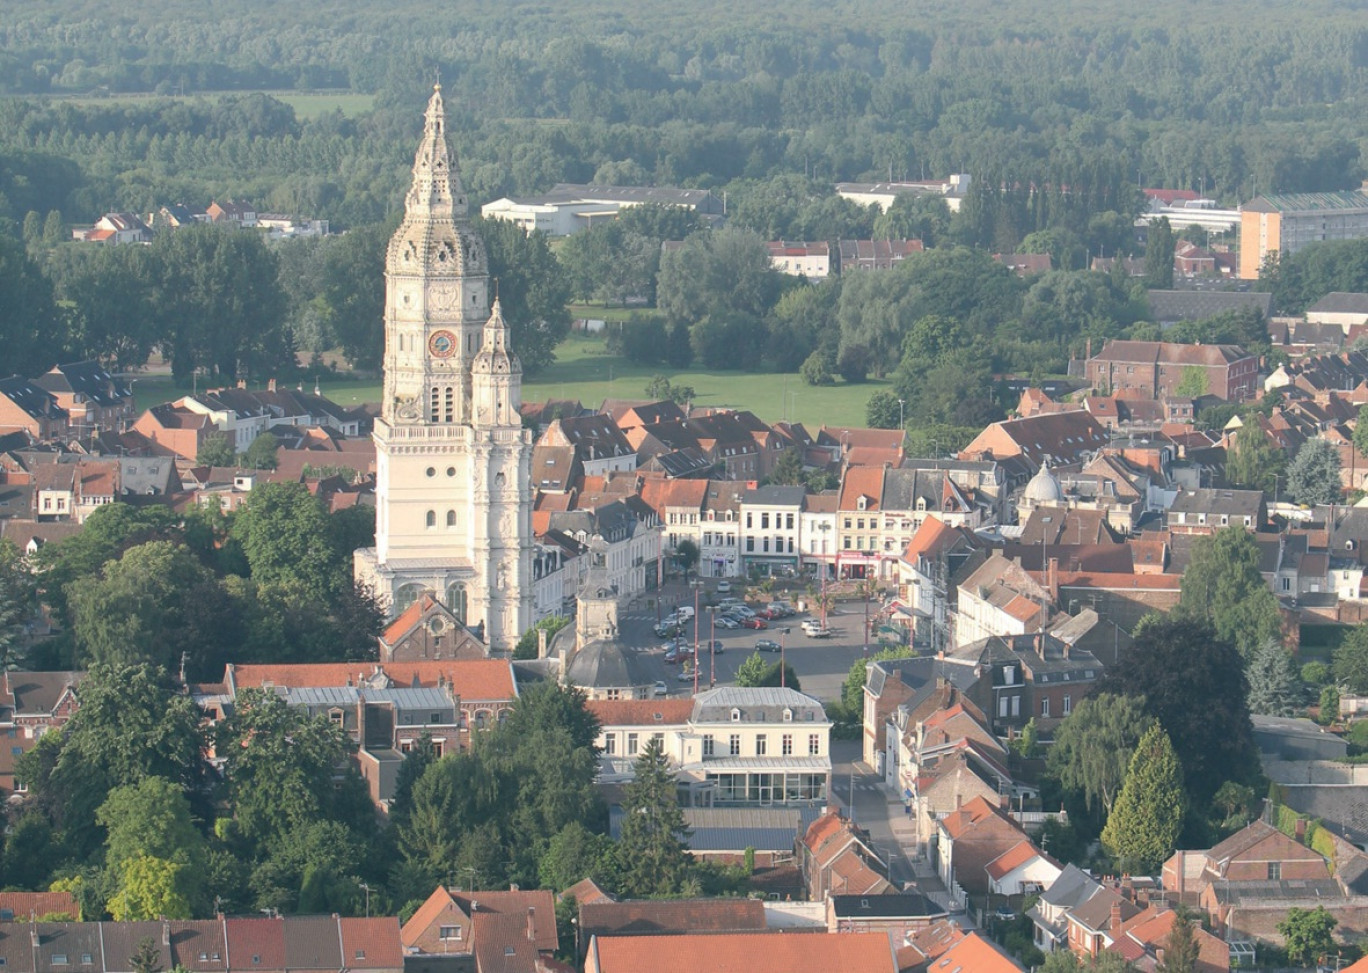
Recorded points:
(816, 370)
(1315, 674)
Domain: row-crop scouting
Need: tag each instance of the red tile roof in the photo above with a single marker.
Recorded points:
(369, 944)
(475, 679)
(1019, 854)
(745, 953)
(640, 712)
(862, 481)
(256, 943)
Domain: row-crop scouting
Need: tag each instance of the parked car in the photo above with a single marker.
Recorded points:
(757, 623)
(666, 630)
(685, 675)
(782, 609)
(814, 629)
(684, 612)
(726, 621)
(716, 647)
(727, 604)
(673, 654)
(660, 689)
(742, 611)
(724, 587)
(767, 645)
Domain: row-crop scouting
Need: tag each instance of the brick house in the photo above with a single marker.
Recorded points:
(31, 704)
(504, 930)
(1158, 368)
(968, 839)
(26, 407)
(754, 952)
(92, 397)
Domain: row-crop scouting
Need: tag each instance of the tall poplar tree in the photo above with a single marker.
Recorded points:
(1148, 815)
(652, 859)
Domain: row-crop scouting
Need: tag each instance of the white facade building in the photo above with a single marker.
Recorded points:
(453, 463)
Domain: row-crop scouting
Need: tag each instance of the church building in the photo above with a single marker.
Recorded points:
(453, 463)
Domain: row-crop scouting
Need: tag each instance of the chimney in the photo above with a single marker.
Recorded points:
(1052, 578)
(1040, 644)
(1116, 919)
(242, 383)
(271, 385)
(531, 924)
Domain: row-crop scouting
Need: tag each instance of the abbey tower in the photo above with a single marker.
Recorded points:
(453, 463)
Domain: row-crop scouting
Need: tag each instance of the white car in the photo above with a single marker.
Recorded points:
(724, 587)
(660, 689)
(727, 622)
(814, 629)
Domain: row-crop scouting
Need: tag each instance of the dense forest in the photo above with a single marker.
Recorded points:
(1232, 100)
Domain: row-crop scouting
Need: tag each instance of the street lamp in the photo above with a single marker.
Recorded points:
(902, 420)
(367, 887)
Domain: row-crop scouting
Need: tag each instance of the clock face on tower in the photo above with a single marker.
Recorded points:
(442, 344)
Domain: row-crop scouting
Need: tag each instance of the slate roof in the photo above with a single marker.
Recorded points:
(121, 941)
(607, 664)
(653, 917)
(36, 402)
(87, 378)
(1167, 306)
(718, 829)
(757, 704)
(902, 905)
(1340, 302)
(1307, 202)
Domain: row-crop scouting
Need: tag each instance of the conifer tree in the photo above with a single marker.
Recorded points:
(1274, 685)
(1148, 814)
(652, 859)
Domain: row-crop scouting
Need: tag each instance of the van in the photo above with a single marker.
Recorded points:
(814, 629)
(684, 612)
(726, 603)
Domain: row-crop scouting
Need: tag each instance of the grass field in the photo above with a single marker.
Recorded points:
(585, 371)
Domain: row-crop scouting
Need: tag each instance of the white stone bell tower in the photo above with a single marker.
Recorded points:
(453, 463)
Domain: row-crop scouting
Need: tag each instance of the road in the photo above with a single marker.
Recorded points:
(821, 664)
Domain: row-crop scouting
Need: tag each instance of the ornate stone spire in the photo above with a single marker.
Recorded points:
(436, 189)
(494, 357)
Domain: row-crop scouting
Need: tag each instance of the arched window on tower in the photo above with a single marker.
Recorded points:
(432, 410)
(432, 518)
(449, 413)
(406, 595)
(456, 601)
(451, 518)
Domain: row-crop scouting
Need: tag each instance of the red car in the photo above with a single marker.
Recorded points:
(756, 622)
(767, 614)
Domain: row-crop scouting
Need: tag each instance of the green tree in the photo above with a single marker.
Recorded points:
(1253, 462)
(1144, 824)
(574, 854)
(686, 555)
(219, 302)
(1274, 686)
(149, 888)
(1308, 934)
(1094, 745)
(216, 450)
(757, 671)
(31, 329)
(151, 817)
(351, 295)
(151, 605)
(146, 958)
(1351, 660)
(131, 724)
(816, 369)
(1313, 477)
(1159, 249)
(529, 644)
(1328, 705)
(1193, 683)
(788, 468)
(261, 455)
(1193, 384)
(532, 289)
(280, 765)
(1182, 952)
(652, 857)
(1361, 431)
(883, 411)
(1234, 799)
(17, 605)
(1223, 585)
(718, 273)
(284, 532)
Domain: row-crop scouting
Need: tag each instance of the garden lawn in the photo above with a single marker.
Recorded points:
(585, 371)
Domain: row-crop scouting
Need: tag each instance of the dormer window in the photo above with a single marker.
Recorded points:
(788, 715)
(861, 503)
(736, 715)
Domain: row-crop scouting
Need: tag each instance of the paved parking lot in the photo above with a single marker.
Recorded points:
(821, 664)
